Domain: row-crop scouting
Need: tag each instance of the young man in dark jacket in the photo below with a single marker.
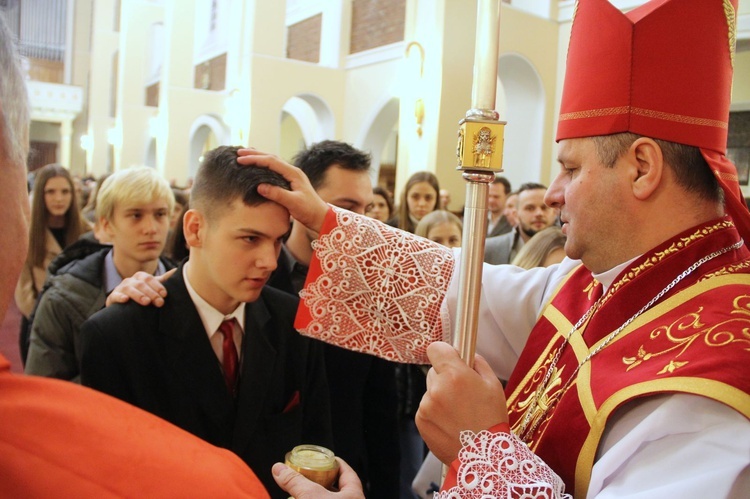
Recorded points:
(221, 359)
(133, 208)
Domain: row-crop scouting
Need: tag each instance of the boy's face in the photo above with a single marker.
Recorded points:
(138, 231)
(233, 254)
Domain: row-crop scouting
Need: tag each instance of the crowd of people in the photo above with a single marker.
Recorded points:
(180, 343)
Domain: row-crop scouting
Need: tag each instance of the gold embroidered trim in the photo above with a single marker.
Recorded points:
(595, 113)
(731, 269)
(726, 176)
(611, 111)
(685, 331)
(732, 24)
(675, 247)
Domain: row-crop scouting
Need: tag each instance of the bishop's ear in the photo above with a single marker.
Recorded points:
(648, 163)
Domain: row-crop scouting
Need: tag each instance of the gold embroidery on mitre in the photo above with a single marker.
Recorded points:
(727, 176)
(684, 332)
(732, 24)
(572, 23)
(595, 113)
(650, 113)
(679, 118)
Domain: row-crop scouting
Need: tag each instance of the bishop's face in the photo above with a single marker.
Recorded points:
(591, 198)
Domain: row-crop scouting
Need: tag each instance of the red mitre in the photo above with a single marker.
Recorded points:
(663, 70)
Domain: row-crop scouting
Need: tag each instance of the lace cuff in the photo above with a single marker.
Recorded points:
(500, 465)
(375, 289)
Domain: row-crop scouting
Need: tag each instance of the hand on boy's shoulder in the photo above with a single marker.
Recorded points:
(142, 288)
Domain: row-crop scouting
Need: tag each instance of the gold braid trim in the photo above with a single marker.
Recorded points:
(674, 247)
(726, 176)
(732, 24)
(730, 269)
(650, 113)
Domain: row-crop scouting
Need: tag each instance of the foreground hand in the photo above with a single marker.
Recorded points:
(457, 398)
(302, 201)
(301, 488)
(142, 288)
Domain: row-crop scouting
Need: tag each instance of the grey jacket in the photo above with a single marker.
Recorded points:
(72, 295)
(501, 249)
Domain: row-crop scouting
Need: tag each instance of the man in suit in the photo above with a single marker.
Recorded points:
(533, 216)
(221, 358)
(497, 223)
(362, 387)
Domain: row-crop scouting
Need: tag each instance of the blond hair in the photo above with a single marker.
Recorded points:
(541, 244)
(136, 185)
(434, 218)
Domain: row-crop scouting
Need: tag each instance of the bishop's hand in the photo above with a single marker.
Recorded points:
(458, 398)
(302, 201)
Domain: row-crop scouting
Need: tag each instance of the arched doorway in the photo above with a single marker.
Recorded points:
(381, 139)
(521, 103)
(305, 119)
(206, 133)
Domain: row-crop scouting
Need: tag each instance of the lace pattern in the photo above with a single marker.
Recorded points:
(380, 291)
(500, 465)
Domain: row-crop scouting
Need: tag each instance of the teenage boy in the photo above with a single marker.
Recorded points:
(133, 208)
(221, 359)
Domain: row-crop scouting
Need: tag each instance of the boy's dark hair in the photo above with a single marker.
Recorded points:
(220, 180)
(316, 160)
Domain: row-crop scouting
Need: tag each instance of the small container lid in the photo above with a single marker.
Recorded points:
(312, 457)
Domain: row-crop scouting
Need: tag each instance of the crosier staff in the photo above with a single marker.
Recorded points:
(480, 157)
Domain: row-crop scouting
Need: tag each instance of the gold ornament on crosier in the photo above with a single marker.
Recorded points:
(480, 145)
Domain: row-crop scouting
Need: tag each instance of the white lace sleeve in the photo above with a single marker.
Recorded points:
(379, 289)
(500, 465)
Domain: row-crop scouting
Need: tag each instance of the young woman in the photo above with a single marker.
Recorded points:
(382, 206)
(441, 226)
(55, 223)
(420, 197)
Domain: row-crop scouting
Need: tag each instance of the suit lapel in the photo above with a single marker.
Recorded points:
(258, 361)
(189, 356)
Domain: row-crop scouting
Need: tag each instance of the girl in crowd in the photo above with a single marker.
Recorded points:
(420, 197)
(382, 206)
(55, 223)
(441, 226)
(542, 250)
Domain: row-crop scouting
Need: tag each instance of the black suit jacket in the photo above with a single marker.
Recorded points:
(160, 359)
(363, 406)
